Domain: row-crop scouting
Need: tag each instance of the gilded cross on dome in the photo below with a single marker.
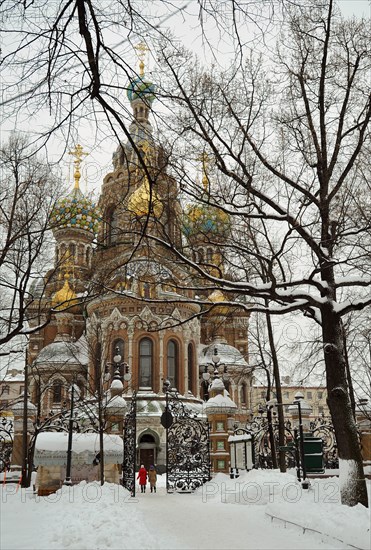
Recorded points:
(78, 153)
(142, 49)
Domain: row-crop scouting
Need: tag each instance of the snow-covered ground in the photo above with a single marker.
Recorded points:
(262, 509)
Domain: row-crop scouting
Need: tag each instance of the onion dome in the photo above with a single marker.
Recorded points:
(139, 87)
(216, 297)
(65, 298)
(76, 210)
(142, 201)
(204, 219)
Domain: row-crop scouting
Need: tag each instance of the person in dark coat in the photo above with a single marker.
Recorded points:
(142, 476)
(152, 478)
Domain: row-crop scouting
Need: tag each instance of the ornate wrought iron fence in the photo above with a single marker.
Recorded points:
(320, 427)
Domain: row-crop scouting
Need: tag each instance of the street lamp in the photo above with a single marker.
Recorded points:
(298, 403)
(166, 421)
(118, 364)
(68, 480)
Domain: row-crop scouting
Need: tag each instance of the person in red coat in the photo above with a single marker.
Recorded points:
(142, 476)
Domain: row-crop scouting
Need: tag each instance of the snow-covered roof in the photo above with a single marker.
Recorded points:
(51, 448)
(228, 355)
(64, 352)
(220, 403)
(14, 377)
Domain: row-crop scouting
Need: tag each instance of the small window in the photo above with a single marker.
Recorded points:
(220, 426)
(5, 390)
(309, 395)
(320, 409)
(220, 446)
(221, 464)
(320, 395)
(286, 395)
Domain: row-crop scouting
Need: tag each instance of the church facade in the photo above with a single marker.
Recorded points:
(122, 304)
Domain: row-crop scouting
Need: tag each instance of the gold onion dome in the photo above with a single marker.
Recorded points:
(142, 201)
(65, 298)
(216, 297)
(76, 210)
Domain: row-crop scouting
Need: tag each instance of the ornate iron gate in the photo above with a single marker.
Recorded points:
(187, 446)
(130, 436)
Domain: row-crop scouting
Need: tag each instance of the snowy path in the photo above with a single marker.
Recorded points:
(209, 525)
(224, 514)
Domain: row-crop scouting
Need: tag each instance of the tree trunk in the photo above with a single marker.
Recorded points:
(277, 381)
(352, 480)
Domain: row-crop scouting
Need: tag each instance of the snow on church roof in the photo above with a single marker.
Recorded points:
(64, 352)
(228, 355)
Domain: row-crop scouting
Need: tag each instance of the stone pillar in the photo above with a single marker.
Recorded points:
(17, 410)
(221, 411)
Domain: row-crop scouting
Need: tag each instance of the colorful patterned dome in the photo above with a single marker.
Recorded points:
(76, 211)
(140, 88)
(206, 220)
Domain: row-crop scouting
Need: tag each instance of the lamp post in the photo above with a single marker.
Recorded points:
(25, 466)
(166, 421)
(68, 481)
(299, 438)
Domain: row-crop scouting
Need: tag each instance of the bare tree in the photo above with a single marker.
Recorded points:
(287, 139)
(28, 191)
(287, 132)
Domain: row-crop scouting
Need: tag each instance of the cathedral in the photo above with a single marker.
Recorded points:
(123, 306)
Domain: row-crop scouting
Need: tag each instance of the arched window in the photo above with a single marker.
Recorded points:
(111, 225)
(201, 255)
(209, 254)
(87, 255)
(57, 392)
(190, 368)
(72, 252)
(172, 363)
(145, 363)
(118, 348)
